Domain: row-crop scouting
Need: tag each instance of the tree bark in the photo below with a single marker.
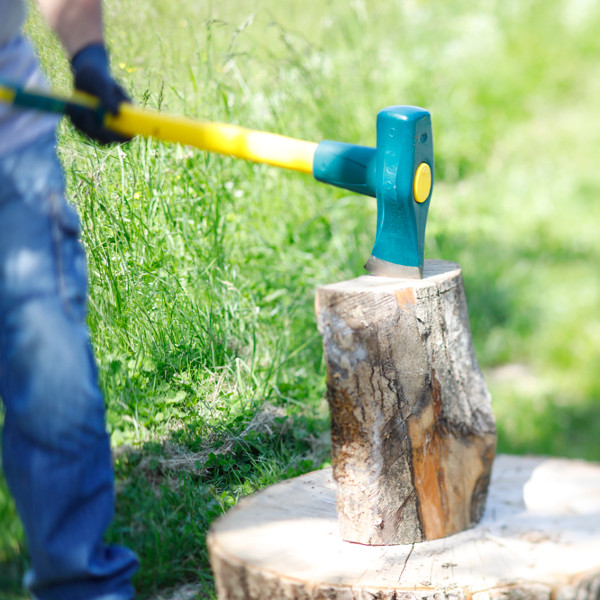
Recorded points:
(412, 430)
(539, 539)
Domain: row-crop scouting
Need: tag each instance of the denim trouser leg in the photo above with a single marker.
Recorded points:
(56, 452)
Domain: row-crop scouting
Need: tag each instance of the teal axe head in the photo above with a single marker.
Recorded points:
(399, 173)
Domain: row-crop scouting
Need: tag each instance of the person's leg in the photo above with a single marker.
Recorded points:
(56, 451)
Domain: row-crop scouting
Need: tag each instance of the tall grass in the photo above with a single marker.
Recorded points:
(203, 268)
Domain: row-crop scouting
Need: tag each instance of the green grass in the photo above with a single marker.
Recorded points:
(203, 268)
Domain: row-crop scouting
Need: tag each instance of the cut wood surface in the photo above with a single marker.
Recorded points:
(539, 539)
(412, 430)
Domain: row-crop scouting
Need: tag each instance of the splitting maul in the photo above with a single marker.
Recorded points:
(398, 171)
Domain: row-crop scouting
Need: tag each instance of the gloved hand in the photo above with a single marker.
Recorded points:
(91, 74)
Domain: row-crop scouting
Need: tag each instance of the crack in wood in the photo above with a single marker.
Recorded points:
(406, 562)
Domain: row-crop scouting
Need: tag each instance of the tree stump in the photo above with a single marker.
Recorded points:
(412, 430)
(539, 539)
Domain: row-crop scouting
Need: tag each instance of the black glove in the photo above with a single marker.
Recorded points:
(91, 74)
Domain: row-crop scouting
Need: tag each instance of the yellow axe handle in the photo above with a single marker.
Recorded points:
(258, 146)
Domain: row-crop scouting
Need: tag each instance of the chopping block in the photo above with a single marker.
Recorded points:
(539, 539)
(415, 506)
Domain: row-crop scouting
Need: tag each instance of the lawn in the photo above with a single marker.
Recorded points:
(203, 268)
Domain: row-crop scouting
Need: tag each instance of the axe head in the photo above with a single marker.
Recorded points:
(403, 186)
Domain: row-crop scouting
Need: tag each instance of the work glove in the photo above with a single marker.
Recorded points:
(91, 74)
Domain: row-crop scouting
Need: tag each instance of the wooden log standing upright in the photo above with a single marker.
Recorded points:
(412, 429)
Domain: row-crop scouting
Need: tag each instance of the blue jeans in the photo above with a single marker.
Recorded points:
(56, 451)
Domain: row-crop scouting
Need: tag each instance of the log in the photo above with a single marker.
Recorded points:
(539, 539)
(412, 430)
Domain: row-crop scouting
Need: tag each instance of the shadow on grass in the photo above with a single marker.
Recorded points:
(170, 492)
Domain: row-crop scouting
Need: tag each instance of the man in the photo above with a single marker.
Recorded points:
(56, 452)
